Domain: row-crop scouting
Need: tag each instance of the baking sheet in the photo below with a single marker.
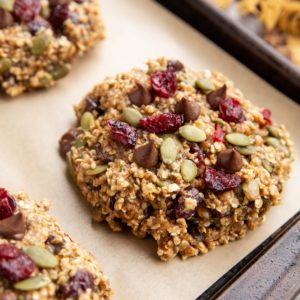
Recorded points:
(29, 160)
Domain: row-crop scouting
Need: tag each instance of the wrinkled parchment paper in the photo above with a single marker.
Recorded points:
(31, 125)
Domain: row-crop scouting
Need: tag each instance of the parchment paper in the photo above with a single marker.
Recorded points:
(29, 160)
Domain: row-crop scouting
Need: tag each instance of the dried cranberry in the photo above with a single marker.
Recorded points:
(220, 181)
(218, 134)
(195, 148)
(76, 285)
(164, 82)
(36, 25)
(27, 10)
(7, 204)
(179, 210)
(231, 111)
(58, 16)
(102, 155)
(123, 133)
(15, 265)
(267, 115)
(163, 123)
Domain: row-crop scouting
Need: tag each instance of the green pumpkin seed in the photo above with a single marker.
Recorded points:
(32, 283)
(246, 150)
(188, 170)
(59, 71)
(70, 167)
(5, 64)
(274, 142)
(7, 4)
(161, 183)
(238, 139)
(80, 142)
(174, 137)
(267, 165)
(273, 131)
(40, 43)
(168, 150)
(251, 189)
(192, 133)
(45, 80)
(87, 120)
(98, 170)
(132, 116)
(205, 85)
(42, 257)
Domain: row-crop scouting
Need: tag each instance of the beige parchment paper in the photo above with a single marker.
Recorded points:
(30, 126)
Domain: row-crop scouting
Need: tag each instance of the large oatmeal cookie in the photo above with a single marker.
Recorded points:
(38, 260)
(177, 154)
(40, 38)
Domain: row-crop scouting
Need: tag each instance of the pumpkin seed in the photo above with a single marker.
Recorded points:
(174, 137)
(42, 257)
(238, 139)
(5, 64)
(32, 283)
(7, 4)
(267, 165)
(274, 142)
(192, 133)
(98, 170)
(251, 189)
(246, 150)
(188, 170)
(132, 116)
(45, 80)
(205, 85)
(87, 120)
(70, 167)
(80, 142)
(59, 71)
(161, 183)
(273, 131)
(40, 43)
(168, 150)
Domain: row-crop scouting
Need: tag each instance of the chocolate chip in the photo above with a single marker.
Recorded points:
(146, 156)
(6, 18)
(230, 160)
(215, 97)
(101, 155)
(59, 2)
(188, 108)
(140, 95)
(67, 140)
(176, 65)
(55, 243)
(8, 295)
(91, 104)
(13, 227)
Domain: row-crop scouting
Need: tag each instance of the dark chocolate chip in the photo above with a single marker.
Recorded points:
(55, 244)
(140, 95)
(101, 155)
(146, 156)
(67, 140)
(91, 104)
(215, 97)
(6, 18)
(194, 231)
(13, 227)
(230, 160)
(59, 2)
(188, 108)
(176, 65)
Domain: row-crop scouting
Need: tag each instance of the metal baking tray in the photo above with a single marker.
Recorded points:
(240, 37)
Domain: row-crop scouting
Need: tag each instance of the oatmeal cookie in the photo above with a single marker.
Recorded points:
(179, 155)
(38, 260)
(40, 38)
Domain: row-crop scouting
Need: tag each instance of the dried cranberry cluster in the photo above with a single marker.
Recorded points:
(29, 12)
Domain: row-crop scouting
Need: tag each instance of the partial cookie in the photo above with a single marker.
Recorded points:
(177, 154)
(38, 260)
(40, 38)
